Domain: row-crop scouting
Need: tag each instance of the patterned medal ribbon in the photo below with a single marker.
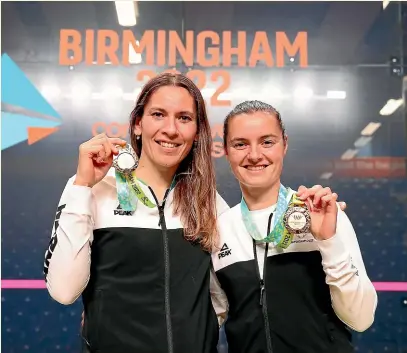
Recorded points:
(129, 191)
(278, 235)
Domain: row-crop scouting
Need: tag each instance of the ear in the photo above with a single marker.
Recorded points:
(137, 130)
(286, 145)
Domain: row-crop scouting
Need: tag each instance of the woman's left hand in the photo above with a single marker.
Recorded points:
(323, 209)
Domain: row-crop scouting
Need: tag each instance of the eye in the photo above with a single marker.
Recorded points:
(157, 114)
(239, 145)
(268, 143)
(185, 118)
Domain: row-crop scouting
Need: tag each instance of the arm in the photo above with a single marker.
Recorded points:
(219, 299)
(67, 260)
(218, 296)
(354, 298)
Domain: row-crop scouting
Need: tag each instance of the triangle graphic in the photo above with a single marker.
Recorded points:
(16, 89)
(224, 247)
(15, 128)
(36, 134)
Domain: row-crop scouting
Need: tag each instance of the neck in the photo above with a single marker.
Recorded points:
(158, 179)
(258, 198)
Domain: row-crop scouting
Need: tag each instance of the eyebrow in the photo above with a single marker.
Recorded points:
(164, 111)
(261, 138)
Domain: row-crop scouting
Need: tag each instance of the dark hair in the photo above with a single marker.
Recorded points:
(195, 190)
(251, 107)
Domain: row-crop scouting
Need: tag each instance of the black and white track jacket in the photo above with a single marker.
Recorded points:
(302, 299)
(145, 289)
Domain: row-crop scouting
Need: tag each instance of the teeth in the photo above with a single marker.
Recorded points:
(260, 167)
(167, 145)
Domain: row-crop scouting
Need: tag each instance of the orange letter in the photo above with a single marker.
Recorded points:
(260, 39)
(65, 46)
(143, 73)
(89, 46)
(117, 130)
(222, 88)
(200, 75)
(105, 49)
(98, 128)
(161, 48)
(240, 50)
(200, 49)
(186, 52)
(300, 45)
(146, 42)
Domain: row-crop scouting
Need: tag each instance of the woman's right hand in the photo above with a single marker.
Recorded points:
(96, 158)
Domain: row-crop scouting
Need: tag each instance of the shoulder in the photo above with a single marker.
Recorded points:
(221, 205)
(229, 215)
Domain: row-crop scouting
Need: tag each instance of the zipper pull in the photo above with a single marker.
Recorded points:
(261, 292)
(161, 213)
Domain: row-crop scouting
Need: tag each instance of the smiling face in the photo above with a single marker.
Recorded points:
(168, 127)
(256, 149)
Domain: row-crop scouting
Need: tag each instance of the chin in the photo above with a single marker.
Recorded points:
(169, 162)
(255, 182)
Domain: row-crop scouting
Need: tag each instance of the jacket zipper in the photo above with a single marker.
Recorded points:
(163, 226)
(263, 295)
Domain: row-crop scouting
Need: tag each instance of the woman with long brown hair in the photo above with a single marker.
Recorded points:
(135, 240)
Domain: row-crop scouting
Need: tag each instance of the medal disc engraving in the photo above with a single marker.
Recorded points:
(297, 220)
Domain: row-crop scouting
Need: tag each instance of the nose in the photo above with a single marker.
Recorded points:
(170, 127)
(254, 155)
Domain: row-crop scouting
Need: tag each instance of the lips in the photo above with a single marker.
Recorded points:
(255, 168)
(166, 144)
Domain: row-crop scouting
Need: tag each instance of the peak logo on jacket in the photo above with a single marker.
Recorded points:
(225, 251)
(120, 212)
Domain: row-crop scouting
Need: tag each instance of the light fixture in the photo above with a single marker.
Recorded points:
(349, 154)
(127, 12)
(370, 129)
(391, 106)
(336, 94)
(112, 92)
(303, 93)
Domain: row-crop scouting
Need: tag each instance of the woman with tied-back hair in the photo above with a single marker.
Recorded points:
(290, 263)
(145, 275)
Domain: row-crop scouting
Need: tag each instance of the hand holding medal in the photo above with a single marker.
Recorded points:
(96, 158)
(322, 208)
(311, 210)
(129, 191)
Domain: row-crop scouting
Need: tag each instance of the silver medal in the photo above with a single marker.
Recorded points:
(297, 220)
(126, 161)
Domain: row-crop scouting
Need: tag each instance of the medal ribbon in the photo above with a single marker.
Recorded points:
(278, 235)
(129, 192)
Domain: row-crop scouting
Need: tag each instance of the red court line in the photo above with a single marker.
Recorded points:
(40, 284)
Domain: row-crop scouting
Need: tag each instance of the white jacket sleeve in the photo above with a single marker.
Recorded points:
(354, 298)
(218, 296)
(67, 260)
(219, 299)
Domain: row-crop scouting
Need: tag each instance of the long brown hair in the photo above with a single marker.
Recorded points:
(195, 190)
